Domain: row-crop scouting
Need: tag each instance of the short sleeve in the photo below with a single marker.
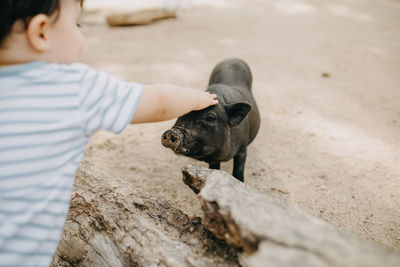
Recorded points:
(106, 103)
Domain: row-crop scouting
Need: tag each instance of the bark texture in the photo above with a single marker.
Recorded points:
(112, 224)
(271, 233)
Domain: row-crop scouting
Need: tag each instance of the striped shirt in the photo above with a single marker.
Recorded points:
(47, 114)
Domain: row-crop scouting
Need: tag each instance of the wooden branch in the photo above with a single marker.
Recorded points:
(112, 224)
(271, 233)
(141, 17)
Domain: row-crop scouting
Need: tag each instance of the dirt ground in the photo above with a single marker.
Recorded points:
(327, 82)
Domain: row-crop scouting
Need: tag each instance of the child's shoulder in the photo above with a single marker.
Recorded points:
(41, 72)
(40, 66)
(66, 68)
(72, 66)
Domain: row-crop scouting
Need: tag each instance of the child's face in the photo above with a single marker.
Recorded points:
(66, 39)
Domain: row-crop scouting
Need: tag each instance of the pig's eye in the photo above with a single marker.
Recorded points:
(210, 118)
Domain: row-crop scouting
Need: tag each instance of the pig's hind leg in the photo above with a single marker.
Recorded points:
(215, 165)
(238, 165)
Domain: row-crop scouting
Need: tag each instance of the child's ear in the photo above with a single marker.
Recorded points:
(37, 33)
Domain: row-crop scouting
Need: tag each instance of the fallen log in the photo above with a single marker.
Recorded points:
(271, 233)
(141, 17)
(112, 224)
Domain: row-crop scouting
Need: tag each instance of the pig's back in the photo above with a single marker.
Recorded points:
(232, 71)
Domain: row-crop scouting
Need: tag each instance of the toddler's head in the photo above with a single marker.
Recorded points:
(46, 30)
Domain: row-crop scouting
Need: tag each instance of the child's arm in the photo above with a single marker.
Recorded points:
(164, 102)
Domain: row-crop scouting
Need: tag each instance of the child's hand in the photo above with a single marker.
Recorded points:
(205, 100)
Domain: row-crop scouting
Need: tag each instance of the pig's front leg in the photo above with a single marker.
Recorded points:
(238, 165)
(215, 165)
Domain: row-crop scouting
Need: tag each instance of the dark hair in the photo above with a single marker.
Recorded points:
(14, 10)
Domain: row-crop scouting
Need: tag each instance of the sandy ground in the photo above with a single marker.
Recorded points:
(327, 82)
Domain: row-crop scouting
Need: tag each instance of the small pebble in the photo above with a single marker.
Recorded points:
(325, 75)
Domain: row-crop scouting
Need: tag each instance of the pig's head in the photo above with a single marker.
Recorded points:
(206, 134)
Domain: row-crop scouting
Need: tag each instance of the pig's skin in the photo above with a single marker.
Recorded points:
(221, 132)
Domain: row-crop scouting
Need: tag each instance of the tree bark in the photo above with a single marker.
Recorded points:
(112, 224)
(271, 233)
(141, 17)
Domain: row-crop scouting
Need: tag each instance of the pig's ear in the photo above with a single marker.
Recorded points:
(237, 111)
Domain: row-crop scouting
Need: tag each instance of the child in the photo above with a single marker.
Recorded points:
(49, 108)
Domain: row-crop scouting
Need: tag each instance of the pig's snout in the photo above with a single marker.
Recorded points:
(172, 139)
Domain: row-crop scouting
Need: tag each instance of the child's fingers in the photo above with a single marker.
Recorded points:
(205, 100)
(213, 98)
